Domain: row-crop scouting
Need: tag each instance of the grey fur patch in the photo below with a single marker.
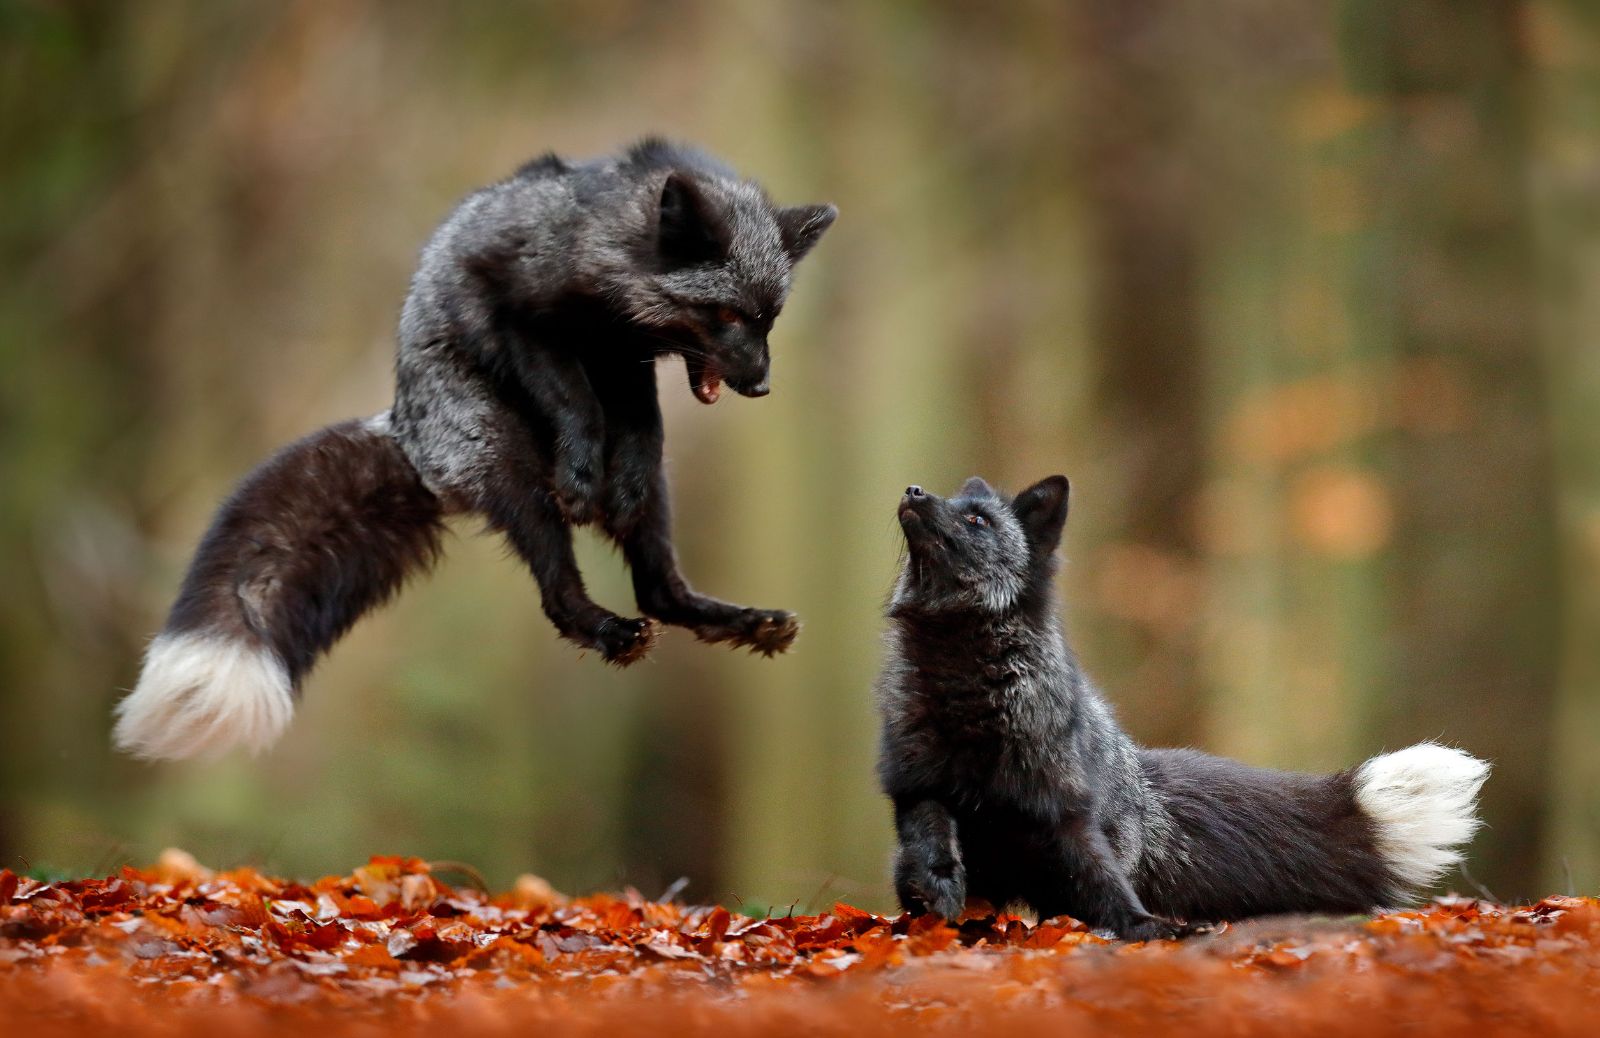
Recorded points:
(993, 733)
(554, 233)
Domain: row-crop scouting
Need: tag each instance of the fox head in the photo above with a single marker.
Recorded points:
(978, 551)
(721, 259)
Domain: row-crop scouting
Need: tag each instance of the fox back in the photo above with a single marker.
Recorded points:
(662, 238)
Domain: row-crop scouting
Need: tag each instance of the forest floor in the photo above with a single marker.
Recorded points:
(177, 949)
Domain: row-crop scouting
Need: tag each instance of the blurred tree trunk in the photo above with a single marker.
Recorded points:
(871, 396)
(1293, 519)
(1565, 40)
(1141, 206)
(79, 446)
(1475, 566)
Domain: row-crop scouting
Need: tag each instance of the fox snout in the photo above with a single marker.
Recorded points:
(744, 368)
(740, 361)
(918, 512)
(754, 381)
(748, 367)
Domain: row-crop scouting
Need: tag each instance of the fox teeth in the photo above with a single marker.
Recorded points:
(706, 383)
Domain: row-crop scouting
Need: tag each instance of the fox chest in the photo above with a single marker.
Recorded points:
(987, 752)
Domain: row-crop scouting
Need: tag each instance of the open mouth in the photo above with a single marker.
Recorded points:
(705, 379)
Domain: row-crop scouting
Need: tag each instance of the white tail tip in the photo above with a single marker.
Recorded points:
(1423, 804)
(201, 695)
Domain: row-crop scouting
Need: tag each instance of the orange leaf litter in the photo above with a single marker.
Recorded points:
(177, 950)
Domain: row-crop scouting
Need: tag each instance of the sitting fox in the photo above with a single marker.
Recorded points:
(1012, 782)
(526, 394)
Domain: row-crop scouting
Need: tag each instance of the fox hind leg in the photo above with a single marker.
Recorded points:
(1089, 885)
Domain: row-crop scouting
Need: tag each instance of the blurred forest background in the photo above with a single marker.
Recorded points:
(1304, 296)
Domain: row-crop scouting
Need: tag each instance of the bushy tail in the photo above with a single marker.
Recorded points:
(314, 537)
(1228, 841)
(1422, 804)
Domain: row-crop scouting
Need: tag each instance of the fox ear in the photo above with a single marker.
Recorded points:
(976, 487)
(802, 225)
(688, 229)
(1042, 510)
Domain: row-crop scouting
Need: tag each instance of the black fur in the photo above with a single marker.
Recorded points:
(321, 532)
(1251, 841)
(527, 378)
(526, 394)
(1012, 782)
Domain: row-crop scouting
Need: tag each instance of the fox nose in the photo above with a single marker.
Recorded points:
(913, 491)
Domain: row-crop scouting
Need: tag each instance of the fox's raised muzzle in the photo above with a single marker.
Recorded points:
(919, 514)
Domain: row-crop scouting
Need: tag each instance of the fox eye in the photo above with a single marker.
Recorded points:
(977, 520)
(728, 315)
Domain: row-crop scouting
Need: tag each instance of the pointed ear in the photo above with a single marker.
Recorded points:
(1042, 510)
(688, 227)
(976, 487)
(802, 225)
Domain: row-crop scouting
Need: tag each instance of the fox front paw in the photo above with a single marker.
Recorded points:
(767, 631)
(622, 642)
(935, 890)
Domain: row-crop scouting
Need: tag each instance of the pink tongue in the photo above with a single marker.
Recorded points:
(707, 384)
